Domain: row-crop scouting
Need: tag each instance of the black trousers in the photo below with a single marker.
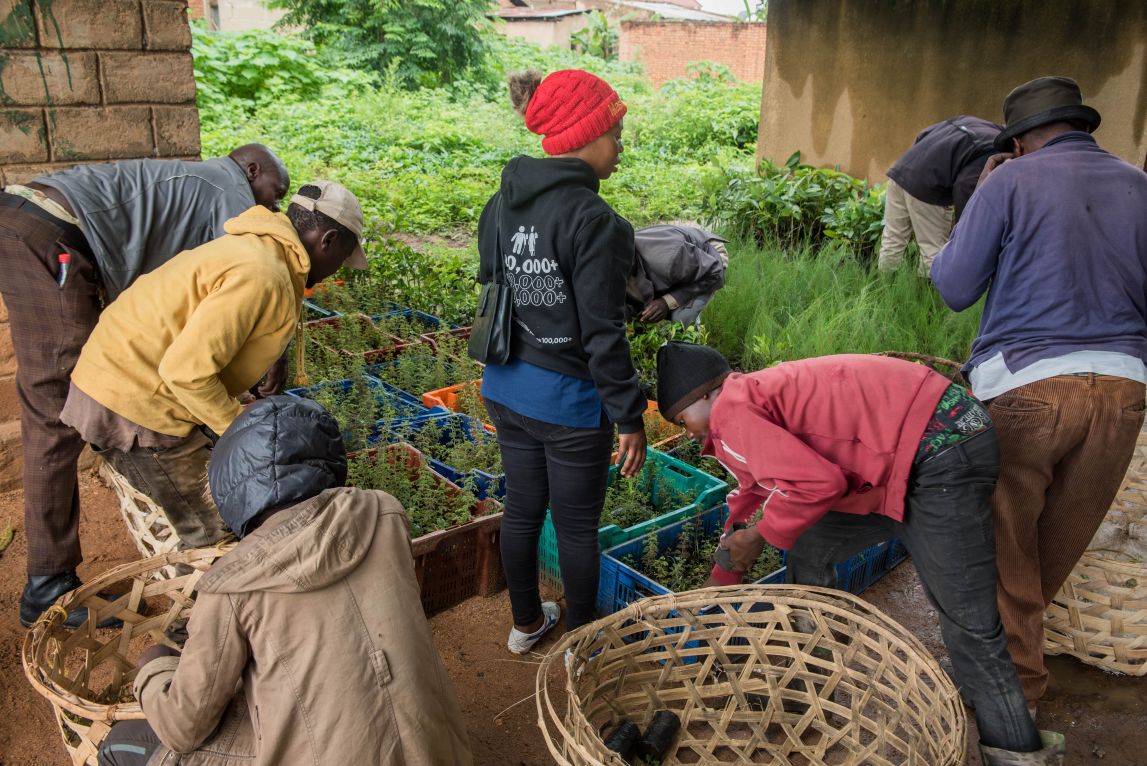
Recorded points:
(948, 530)
(566, 469)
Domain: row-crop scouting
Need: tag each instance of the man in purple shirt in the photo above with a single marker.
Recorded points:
(1058, 228)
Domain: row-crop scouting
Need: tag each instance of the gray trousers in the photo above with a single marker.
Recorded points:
(176, 479)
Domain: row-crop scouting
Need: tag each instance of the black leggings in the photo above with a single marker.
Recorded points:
(566, 468)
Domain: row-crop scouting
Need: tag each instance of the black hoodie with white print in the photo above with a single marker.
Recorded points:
(567, 255)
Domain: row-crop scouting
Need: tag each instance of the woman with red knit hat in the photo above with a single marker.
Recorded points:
(566, 254)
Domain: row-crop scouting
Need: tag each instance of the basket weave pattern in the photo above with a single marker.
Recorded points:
(1099, 615)
(820, 677)
(87, 673)
(150, 530)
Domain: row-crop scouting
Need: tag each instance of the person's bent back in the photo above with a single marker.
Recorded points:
(316, 612)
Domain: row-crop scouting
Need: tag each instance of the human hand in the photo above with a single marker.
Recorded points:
(654, 311)
(631, 453)
(744, 547)
(154, 653)
(994, 162)
(272, 382)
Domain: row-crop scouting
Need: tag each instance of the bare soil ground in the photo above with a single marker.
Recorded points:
(1103, 716)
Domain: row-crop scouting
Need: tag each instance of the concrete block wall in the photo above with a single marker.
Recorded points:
(86, 81)
(666, 48)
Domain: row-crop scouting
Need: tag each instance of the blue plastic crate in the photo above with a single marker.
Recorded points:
(620, 584)
(375, 371)
(313, 311)
(429, 322)
(452, 427)
(402, 409)
(706, 491)
(316, 302)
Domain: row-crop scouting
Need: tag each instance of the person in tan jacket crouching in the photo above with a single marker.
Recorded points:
(307, 643)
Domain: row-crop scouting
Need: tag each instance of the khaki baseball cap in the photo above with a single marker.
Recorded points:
(339, 204)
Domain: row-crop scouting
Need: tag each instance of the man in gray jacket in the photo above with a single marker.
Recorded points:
(70, 243)
(315, 615)
(677, 270)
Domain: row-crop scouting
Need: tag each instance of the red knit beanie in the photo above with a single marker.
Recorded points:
(570, 108)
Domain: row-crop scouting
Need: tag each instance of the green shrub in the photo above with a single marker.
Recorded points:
(794, 204)
(418, 43)
(240, 72)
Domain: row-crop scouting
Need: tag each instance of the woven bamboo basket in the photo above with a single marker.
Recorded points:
(87, 673)
(146, 522)
(756, 674)
(1099, 615)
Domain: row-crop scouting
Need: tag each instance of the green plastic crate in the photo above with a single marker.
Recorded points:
(706, 490)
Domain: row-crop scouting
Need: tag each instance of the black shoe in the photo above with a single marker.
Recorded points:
(41, 591)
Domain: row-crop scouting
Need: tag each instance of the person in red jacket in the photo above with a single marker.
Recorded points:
(838, 453)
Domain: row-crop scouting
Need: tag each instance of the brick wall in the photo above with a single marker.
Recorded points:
(665, 48)
(86, 81)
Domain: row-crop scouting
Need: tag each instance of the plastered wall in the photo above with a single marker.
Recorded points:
(851, 82)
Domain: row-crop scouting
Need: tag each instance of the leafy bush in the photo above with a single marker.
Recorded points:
(247, 70)
(780, 304)
(793, 204)
(419, 43)
(696, 118)
(597, 37)
(428, 160)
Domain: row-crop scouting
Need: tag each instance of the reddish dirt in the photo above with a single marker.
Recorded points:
(1103, 716)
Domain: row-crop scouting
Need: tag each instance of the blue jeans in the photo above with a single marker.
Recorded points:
(567, 469)
(948, 530)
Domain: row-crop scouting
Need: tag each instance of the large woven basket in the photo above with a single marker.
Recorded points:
(1100, 614)
(87, 673)
(757, 674)
(146, 522)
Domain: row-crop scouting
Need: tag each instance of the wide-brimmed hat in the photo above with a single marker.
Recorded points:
(1040, 101)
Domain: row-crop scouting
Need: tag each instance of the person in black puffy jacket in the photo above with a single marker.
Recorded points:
(570, 378)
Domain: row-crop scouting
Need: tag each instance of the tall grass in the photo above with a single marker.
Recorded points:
(781, 304)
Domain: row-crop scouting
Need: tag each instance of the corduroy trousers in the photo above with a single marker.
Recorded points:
(1065, 443)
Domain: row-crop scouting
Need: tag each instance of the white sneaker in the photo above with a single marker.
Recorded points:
(520, 643)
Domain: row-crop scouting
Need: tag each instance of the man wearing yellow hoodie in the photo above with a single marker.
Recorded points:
(167, 360)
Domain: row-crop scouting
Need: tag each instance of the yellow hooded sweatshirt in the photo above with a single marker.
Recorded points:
(174, 349)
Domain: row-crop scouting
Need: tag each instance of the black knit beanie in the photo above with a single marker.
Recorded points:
(685, 373)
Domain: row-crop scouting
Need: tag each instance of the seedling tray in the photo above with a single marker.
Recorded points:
(368, 356)
(458, 563)
(448, 398)
(427, 322)
(706, 490)
(453, 427)
(377, 370)
(434, 337)
(313, 312)
(404, 409)
(621, 585)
